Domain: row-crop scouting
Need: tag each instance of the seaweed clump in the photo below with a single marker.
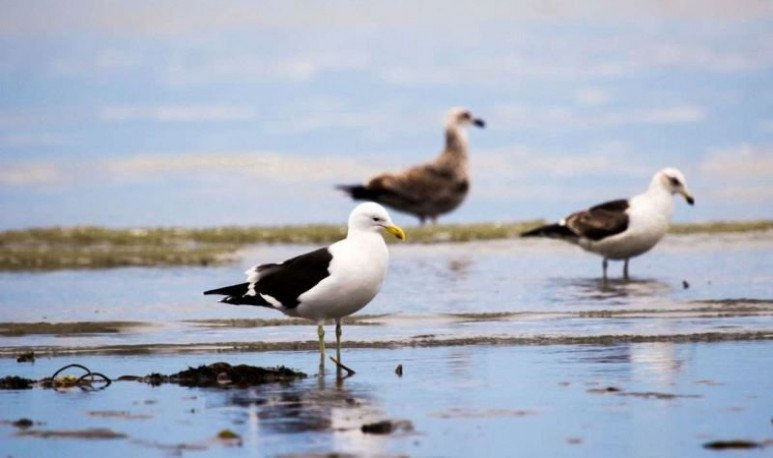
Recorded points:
(224, 374)
(13, 382)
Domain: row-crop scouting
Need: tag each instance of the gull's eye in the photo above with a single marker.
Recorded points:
(674, 181)
(376, 219)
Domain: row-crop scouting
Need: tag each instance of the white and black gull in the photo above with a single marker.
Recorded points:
(430, 189)
(625, 228)
(327, 283)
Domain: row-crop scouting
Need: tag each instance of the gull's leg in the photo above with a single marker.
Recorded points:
(625, 269)
(421, 220)
(338, 340)
(321, 334)
(604, 265)
(434, 220)
(339, 365)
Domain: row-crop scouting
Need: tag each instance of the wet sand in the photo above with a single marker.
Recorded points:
(642, 399)
(507, 348)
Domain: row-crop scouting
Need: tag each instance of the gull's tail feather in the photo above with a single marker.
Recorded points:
(556, 230)
(239, 295)
(359, 192)
(233, 290)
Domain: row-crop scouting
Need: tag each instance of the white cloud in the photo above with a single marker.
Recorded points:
(536, 53)
(401, 43)
(740, 162)
(551, 117)
(310, 121)
(223, 66)
(520, 161)
(34, 140)
(235, 69)
(739, 174)
(267, 166)
(102, 62)
(592, 96)
(684, 114)
(30, 174)
(377, 124)
(176, 113)
(182, 17)
(702, 57)
(213, 167)
(766, 126)
(519, 172)
(737, 194)
(15, 119)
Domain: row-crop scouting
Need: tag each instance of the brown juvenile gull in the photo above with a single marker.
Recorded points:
(328, 283)
(432, 188)
(625, 228)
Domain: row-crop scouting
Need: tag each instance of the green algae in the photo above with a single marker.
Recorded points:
(67, 328)
(84, 247)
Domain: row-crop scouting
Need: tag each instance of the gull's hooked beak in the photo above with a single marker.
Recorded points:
(479, 122)
(396, 231)
(687, 196)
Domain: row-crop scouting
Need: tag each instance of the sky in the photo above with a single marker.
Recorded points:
(204, 113)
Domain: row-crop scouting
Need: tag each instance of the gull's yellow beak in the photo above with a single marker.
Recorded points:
(396, 231)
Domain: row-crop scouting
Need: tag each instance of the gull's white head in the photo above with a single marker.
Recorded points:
(372, 217)
(462, 117)
(673, 181)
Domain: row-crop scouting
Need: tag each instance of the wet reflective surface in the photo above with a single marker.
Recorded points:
(656, 366)
(538, 287)
(651, 399)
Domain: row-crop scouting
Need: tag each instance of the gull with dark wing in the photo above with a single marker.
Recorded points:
(325, 284)
(623, 229)
(430, 189)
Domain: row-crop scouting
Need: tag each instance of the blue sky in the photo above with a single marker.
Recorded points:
(205, 113)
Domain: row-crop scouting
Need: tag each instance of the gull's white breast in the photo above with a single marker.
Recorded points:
(357, 271)
(649, 218)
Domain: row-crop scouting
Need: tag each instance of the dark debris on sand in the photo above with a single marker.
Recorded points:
(386, 427)
(733, 444)
(90, 433)
(224, 374)
(28, 357)
(643, 394)
(21, 423)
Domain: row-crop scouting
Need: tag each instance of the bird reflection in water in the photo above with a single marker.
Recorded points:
(612, 290)
(660, 363)
(325, 405)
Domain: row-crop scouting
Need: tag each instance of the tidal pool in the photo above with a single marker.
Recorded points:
(506, 289)
(648, 399)
(508, 348)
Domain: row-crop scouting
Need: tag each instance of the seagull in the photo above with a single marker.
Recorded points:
(625, 228)
(432, 188)
(327, 283)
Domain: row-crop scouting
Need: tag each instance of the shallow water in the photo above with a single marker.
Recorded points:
(508, 348)
(543, 288)
(460, 401)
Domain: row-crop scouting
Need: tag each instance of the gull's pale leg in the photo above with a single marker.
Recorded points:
(321, 334)
(338, 339)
